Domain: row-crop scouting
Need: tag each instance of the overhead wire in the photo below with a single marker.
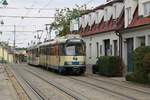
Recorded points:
(27, 8)
(39, 11)
(23, 17)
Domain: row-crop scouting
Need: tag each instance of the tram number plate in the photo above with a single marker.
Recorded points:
(75, 63)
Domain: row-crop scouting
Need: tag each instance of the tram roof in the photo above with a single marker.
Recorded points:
(60, 40)
(56, 40)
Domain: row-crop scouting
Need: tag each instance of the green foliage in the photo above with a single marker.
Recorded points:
(149, 78)
(141, 78)
(146, 62)
(130, 77)
(141, 65)
(110, 66)
(63, 18)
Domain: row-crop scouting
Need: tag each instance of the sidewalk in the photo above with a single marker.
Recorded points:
(7, 91)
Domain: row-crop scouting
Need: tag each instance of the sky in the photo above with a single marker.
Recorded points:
(26, 28)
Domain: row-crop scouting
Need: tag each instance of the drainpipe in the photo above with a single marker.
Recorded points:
(118, 33)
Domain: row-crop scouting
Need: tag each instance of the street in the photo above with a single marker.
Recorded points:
(38, 83)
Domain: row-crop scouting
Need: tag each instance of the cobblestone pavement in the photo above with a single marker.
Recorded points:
(7, 91)
(86, 87)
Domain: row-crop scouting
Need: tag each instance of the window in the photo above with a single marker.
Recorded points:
(115, 47)
(97, 45)
(146, 8)
(90, 17)
(107, 48)
(74, 49)
(101, 49)
(61, 50)
(90, 51)
(37, 52)
(106, 14)
(97, 17)
(83, 20)
(128, 15)
(115, 12)
(52, 50)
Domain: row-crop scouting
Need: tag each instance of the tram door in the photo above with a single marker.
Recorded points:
(130, 54)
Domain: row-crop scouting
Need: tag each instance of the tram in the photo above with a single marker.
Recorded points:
(33, 55)
(64, 54)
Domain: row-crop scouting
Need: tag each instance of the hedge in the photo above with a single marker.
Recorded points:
(141, 65)
(109, 66)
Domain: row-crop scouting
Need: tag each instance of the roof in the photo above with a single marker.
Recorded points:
(101, 6)
(111, 25)
(57, 40)
(138, 20)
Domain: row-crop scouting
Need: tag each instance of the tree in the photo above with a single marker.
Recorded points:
(63, 18)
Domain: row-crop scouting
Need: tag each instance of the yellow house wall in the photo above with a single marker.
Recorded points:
(5, 54)
(1, 53)
(10, 58)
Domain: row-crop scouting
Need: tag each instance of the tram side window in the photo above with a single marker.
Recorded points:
(37, 53)
(52, 50)
(61, 50)
(42, 49)
(47, 50)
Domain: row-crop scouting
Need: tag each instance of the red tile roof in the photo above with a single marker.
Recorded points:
(103, 26)
(138, 21)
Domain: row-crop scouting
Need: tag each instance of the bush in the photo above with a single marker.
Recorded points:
(141, 57)
(141, 65)
(130, 77)
(149, 78)
(146, 62)
(110, 66)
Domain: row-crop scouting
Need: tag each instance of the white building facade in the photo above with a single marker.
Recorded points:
(137, 29)
(98, 29)
(116, 28)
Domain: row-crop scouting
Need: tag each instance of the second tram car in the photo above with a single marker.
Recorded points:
(64, 54)
(33, 55)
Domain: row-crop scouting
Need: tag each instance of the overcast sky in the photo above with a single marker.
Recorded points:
(26, 24)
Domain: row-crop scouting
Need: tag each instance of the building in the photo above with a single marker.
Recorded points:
(98, 29)
(116, 28)
(6, 54)
(137, 29)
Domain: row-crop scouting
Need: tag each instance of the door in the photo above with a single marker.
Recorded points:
(130, 55)
(107, 47)
(115, 48)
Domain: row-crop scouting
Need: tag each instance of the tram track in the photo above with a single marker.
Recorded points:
(105, 89)
(114, 93)
(62, 88)
(133, 94)
(36, 91)
(17, 85)
(117, 84)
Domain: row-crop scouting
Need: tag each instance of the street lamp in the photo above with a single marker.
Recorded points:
(2, 22)
(4, 2)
